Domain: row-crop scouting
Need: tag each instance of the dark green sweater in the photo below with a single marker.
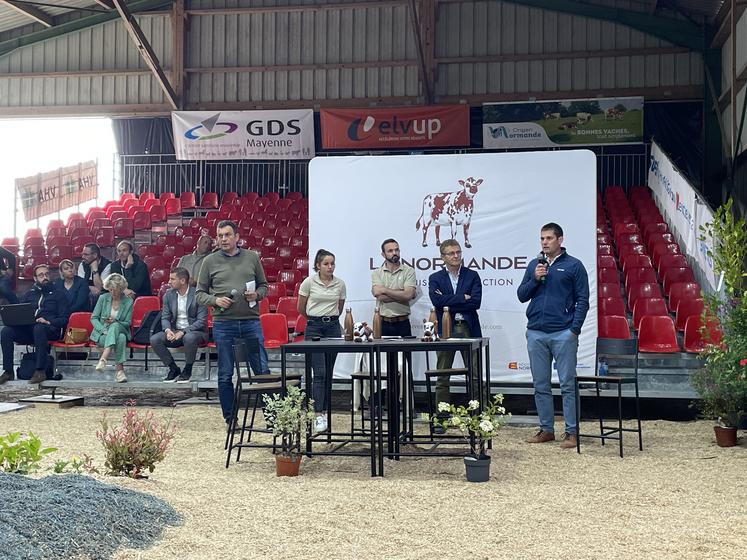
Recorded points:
(220, 274)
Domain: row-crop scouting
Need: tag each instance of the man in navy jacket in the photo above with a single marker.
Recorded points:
(52, 312)
(459, 289)
(558, 288)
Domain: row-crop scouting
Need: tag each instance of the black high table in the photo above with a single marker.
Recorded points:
(395, 435)
(309, 347)
(398, 435)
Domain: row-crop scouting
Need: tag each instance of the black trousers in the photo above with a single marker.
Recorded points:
(39, 335)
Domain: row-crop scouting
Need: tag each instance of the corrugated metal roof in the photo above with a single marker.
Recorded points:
(10, 18)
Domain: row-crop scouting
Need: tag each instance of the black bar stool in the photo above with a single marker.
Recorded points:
(626, 349)
(252, 387)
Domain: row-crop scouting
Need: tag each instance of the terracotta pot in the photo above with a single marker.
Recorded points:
(725, 437)
(287, 466)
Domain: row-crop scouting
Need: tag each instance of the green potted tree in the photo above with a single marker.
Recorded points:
(722, 381)
(289, 417)
(477, 427)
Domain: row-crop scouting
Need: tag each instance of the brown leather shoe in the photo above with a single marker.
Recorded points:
(541, 437)
(39, 376)
(6, 376)
(569, 441)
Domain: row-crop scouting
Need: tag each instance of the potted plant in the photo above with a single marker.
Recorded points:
(722, 381)
(478, 427)
(289, 417)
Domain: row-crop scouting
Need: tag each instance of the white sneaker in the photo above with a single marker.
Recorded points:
(101, 365)
(321, 424)
(121, 377)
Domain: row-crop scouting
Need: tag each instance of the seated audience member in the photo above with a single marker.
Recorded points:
(52, 312)
(184, 323)
(131, 266)
(93, 269)
(73, 286)
(111, 321)
(7, 270)
(193, 261)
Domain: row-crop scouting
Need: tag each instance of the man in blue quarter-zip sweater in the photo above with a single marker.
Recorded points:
(558, 287)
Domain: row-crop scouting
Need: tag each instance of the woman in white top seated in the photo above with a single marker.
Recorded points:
(321, 299)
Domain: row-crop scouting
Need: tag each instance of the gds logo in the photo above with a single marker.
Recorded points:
(211, 128)
(273, 127)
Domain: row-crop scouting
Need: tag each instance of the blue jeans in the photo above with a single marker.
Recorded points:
(224, 333)
(563, 347)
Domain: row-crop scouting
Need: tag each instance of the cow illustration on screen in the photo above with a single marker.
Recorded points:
(452, 208)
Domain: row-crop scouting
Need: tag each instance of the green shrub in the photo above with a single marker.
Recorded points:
(21, 453)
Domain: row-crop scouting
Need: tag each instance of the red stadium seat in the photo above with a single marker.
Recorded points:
(119, 215)
(676, 276)
(209, 200)
(77, 320)
(671, 261)
(602, 250)
(115, 208)
(628, 239)
(99, 223)
(170, 252)
(695, 340)
(611, 306)
(290, 278)
(648, 306)
(132, 208)
(157, 214)
(613, 326)
(187, 199)
(655, 238)
(638, 291)
(271, 267)
(657, 335)
(274, 329)
(145, 197)
(104, 237)
(685, 308)
(154, 261)
(288, 306)
(684, 290)
(173, 207)
(79, 242)
(150, 203)
(606, 261)
(632, 261)
(93, 214)
(661, 249)
(141, 220)
(603, 290)
(158, 277)
(229, 197)
(127, 196)
(608, 275)
(640, 276)
(294, 195)
(166, 196)
(275, 291)
(630, 249)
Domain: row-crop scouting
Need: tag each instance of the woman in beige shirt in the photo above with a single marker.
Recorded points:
(321, 299)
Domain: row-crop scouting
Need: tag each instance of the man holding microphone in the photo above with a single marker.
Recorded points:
(558, 287)
(232, 282)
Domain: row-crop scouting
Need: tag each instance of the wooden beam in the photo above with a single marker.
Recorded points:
(30, 11)
(722, 34)
(423, 70)
(146, 51)
(178, 50)
(360, 5)
(105, 3)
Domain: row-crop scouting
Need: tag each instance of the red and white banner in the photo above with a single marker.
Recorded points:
(357, 202)
(408, 127)
(48, 193)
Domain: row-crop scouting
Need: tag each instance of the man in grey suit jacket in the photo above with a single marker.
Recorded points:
(184, 323)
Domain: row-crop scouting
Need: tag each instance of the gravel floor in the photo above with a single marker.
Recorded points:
(682, 497)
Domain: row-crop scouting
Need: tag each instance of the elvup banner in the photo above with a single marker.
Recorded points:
(203, 135)
(49, 192)
(682, 208)
(586, 122)
(493, 204)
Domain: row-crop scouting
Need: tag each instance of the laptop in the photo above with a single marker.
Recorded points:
(17, 314)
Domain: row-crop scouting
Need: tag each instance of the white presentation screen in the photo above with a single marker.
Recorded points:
(357, 202)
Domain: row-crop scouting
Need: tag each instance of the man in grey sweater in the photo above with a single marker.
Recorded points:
(224, 285)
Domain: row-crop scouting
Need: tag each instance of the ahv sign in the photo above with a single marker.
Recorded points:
(200, 135)
(411, 127)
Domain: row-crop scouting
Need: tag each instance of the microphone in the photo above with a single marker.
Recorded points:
(230, 296)
(542, 259)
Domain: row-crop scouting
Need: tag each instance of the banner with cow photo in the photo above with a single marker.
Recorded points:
(581, 122)
(49, 192)
(493, 204)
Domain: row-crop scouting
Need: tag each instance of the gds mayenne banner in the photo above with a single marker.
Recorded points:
(682, 208)
(357, 202)
(585, 122)
(52, 191)
(203, 135)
